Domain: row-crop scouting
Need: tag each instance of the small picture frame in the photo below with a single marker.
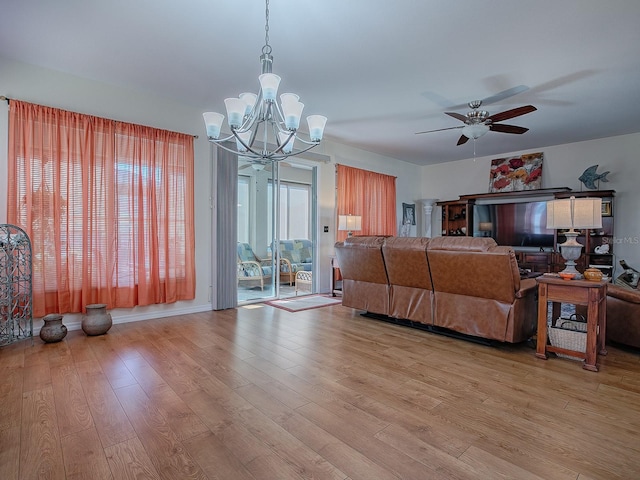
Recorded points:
(606, 208)
(408, 214)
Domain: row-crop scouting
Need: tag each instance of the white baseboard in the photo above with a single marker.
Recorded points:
(74, 321)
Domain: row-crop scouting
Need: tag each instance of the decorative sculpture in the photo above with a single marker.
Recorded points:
(589, 177)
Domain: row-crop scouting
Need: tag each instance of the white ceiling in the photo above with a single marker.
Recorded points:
(380, 70)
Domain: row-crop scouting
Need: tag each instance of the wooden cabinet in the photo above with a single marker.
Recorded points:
(536, 261)
(456, 218)
(544, 262)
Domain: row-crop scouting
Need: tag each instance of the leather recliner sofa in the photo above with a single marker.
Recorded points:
(464, 284)
(623, 315)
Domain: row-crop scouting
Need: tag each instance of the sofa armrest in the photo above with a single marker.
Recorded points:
(527, 286)
(626, 294)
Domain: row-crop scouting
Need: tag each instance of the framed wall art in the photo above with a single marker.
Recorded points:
(515, 174)
(408, 214)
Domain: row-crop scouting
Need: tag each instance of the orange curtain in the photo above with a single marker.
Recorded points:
(369, 194)
(108, 207)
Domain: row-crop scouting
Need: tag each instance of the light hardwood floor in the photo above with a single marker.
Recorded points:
(261, 393)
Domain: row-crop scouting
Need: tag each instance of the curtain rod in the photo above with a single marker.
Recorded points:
(2, 97)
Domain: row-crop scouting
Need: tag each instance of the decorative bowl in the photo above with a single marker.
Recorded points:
(567, 276)
(593, 274)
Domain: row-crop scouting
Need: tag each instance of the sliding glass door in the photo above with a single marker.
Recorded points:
(276, 207)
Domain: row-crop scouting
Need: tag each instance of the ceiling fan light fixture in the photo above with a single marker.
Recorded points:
(475, 131)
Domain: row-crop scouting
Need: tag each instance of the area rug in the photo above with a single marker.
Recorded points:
(305, 303)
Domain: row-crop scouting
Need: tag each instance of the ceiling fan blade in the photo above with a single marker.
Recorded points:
(515, 112)
(440, 129)
(247, 165)
(462, 140)
(457, 116)
(500, 96)
(499, 127)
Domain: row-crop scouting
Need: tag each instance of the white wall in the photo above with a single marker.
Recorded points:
(563, 164)
(52, 88)
(408, 190)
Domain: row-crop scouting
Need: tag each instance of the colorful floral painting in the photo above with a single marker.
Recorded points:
(515, 174)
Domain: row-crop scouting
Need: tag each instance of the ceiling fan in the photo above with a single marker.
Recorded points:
(478, 122)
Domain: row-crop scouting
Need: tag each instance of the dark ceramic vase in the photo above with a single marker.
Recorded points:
(53, 330)
(97, 321)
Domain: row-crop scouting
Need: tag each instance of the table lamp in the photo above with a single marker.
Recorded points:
(572, 213)
(485, 228)
(349, 223)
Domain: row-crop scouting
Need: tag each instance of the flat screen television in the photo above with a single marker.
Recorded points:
(514, 224)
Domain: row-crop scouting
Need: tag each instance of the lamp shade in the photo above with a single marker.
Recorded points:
(587, 213)
(485, 226)
(574, 213)
(349, 222)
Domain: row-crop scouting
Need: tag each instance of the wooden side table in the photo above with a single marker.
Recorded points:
(336, 277)
(577, 292)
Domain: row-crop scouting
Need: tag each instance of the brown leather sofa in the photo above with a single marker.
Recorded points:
(464, 284)
(365, 284)
(623, 315)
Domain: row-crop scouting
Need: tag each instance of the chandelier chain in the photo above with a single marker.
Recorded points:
(267, 48)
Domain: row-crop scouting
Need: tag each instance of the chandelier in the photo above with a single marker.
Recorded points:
(262, 129)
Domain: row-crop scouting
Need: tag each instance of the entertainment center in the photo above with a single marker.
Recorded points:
(518, 219)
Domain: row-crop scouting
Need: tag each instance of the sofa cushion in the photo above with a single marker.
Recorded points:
(406, 261)
(411, 294)
(475, 274)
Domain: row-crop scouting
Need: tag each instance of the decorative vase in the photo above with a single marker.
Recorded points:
(97, 321)
(53, 330)
(593, 274)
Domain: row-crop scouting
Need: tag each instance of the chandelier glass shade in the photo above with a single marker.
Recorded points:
(264, 129)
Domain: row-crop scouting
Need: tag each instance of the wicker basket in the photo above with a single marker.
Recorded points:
(569, 333)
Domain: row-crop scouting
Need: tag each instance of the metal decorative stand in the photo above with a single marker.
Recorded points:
(16, 314)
